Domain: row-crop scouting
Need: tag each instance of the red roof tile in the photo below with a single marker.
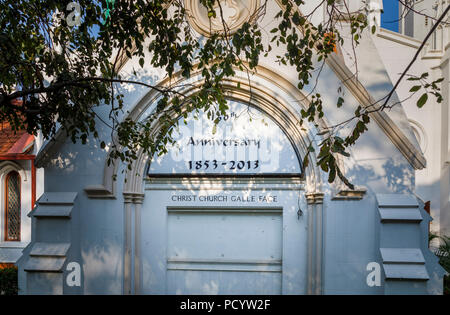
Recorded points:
(12, 142)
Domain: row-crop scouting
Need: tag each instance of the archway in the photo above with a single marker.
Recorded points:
(276, 98)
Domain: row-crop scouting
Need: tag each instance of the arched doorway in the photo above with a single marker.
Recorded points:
(222, 212)
(278, 100)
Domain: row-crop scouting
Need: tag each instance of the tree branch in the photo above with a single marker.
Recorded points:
(415, 56)
(55, 86)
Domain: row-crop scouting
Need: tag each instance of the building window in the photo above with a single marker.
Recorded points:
(397, 17)
(12, 207)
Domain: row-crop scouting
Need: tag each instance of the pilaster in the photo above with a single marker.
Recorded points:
(315, 242)
(132, 205)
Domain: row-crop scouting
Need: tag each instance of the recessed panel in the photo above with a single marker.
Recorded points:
(224, 251)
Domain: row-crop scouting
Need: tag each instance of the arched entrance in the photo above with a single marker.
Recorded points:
(222, 212)
(298, 190)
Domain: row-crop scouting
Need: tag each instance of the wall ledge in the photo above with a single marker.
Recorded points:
(350, 194)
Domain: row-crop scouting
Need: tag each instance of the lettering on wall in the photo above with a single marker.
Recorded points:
(245, 141)
(258, 198)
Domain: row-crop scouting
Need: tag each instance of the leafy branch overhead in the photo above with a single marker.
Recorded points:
(64, 72)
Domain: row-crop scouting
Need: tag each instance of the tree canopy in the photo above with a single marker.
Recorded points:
(63, 59)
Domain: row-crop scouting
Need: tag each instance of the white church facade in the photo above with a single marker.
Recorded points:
(231, 209)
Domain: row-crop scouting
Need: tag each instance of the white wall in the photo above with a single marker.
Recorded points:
(430, 122)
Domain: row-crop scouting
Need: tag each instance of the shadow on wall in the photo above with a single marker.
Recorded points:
(102, 266)
(398, 178)
(77, 159)
(394, 175)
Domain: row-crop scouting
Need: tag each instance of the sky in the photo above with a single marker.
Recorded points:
(389, 18)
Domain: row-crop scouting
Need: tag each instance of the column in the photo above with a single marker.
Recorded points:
(128, 200)
(138, 200)
(315, 242)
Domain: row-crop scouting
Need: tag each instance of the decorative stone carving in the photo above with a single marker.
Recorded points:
(235, 13)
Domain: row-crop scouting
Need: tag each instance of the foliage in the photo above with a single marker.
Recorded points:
(64, 72)
(443, 252)
(8, 281)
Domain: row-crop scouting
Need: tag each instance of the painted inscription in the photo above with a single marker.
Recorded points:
(260, 198)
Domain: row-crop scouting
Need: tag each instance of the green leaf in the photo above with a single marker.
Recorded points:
(296, 18)
(305, 161)
(422, 100)
(415, 88)
(332, 174)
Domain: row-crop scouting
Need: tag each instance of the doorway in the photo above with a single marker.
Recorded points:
(223, 237)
